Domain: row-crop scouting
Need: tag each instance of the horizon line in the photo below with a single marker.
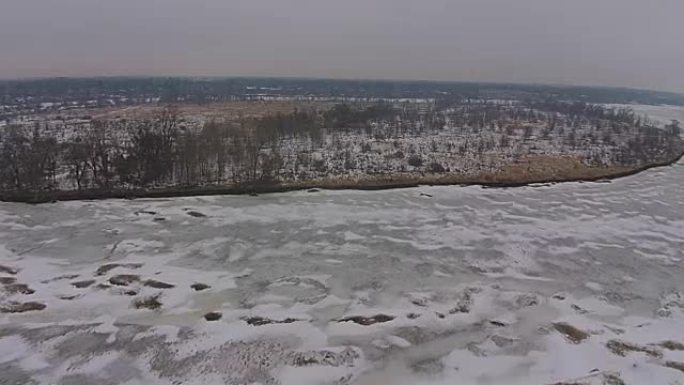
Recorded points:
(341, 79)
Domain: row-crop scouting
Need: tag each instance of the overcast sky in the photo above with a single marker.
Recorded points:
(635, 43)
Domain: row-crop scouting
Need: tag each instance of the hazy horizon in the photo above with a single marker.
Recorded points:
(389, 80)
(613, 43)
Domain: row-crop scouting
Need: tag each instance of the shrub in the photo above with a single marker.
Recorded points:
(436, 167)
(415, 161)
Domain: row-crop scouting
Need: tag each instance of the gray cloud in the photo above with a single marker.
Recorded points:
(593, 42)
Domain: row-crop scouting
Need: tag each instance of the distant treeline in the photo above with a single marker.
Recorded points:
(199, 90)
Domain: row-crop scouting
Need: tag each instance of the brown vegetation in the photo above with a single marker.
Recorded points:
(83, 284)
(672, 345)
(158, 284)
(675, 365)
(366, 321)
(260, 321)
(7, 280)
(104, 269)
(150, 302)
(124, 279)
(622, 348)
(199, 286)
(18, 288)
(21, 307)
(213, 316)
(570, 332)
(8, 270)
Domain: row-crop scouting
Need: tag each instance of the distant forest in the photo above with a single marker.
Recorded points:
(202, 90)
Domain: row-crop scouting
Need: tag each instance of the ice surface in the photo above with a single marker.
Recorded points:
(464, 287)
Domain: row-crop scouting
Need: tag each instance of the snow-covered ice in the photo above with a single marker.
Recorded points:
(570, 283)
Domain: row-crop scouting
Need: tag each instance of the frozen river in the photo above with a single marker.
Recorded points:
(577, 282)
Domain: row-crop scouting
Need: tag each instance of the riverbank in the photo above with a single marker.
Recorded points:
(532, 170)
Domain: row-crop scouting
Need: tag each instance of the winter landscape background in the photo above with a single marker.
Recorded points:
(571, 283)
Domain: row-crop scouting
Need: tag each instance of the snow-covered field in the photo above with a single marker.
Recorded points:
(571, 283)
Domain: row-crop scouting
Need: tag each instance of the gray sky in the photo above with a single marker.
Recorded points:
(592, 42)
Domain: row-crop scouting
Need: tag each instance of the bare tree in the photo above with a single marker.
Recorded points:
(15, 151)
(99, 145)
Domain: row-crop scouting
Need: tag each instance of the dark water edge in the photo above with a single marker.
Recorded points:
(38, 197)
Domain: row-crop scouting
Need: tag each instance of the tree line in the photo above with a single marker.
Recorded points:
(163, 151)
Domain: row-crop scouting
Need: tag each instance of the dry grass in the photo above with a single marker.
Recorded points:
(260, 321)
(550, 168)
(18, 288)
(622, 348)
(83, 284)
(366, 321)
(196, 214)
(464, 303)
(675, 365)
(605, 378)
(151, 302)
(158, 284)
(8, 270)
(222, 111)
(612, 379)
(60, 278)
(213, 316)
(531, 169)
(570, 332)
(21, 307)
(104, 269)
(671, 345)
(199, 286)
(124, 279)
